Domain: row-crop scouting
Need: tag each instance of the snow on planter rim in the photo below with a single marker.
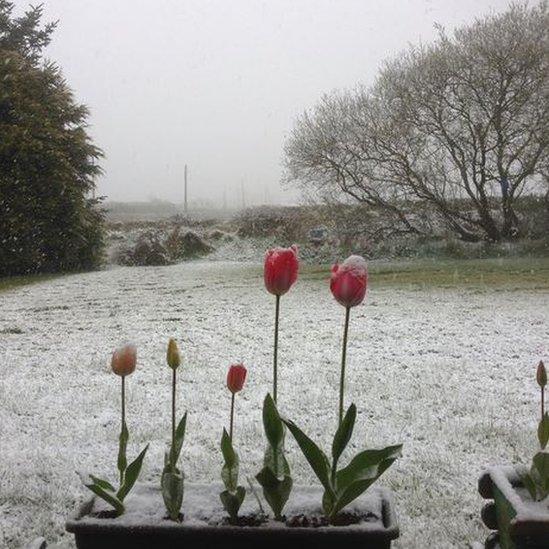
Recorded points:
(507, 479)
(202, 508)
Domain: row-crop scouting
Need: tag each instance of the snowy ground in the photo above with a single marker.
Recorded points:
(449, 372)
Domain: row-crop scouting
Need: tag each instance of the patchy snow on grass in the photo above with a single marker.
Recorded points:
(448, 372)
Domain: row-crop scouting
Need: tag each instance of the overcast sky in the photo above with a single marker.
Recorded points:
(217, 84)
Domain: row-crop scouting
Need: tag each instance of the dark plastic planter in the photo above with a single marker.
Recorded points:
(204, 525)
(517, 521)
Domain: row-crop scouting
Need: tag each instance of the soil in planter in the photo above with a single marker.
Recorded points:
(343, 519)
(107, 514)
(180, 518)
(246, 520)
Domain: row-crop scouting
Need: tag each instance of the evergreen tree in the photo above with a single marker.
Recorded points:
(48, 163)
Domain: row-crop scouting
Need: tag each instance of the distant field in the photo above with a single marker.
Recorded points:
(516, 271)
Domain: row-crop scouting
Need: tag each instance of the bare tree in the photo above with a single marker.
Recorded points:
(460, 125)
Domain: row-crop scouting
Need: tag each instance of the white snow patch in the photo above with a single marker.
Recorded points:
(448, 372)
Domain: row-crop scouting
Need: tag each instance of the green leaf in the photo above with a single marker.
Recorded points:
(276, 461)
(543, 431)
(229, 472)
(343, 434)
(172, 485)
(313, 454)
(122, 449)
(364, 465)
(530, 485)
(232, 500)
(175, 451)
(274, 428)
(103, 484)
(105, 495)
(361, 473)
(276, 491)
(132, 472)
(541, 463)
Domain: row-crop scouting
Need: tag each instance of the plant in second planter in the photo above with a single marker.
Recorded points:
(172, 482)
(280, 273)
(537, 479)
(342, 486)
(233, 495)
(123, 364)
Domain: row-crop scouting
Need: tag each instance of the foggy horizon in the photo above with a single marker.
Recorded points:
(217, 86)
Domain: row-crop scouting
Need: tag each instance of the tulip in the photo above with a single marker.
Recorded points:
(236, 378)
(123, 364)
(348, 284)
(235, 381)
(173, 358)
(124, 360)
(349, 281)
(281, 267)
(280, 273)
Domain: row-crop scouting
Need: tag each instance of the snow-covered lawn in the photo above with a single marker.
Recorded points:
(449, 372)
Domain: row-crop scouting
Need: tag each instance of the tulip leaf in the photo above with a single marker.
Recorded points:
(175, 451)
(122, 450)
(541, 463)
(103, 484)
(107, 496)
(313, 454)
(131, 474)
(343, 434)
(276, 491)
(543, 431)
(365, 465)
(229, 473)
(172, 485)
(363, 470)
(232, 500)
(274, 428)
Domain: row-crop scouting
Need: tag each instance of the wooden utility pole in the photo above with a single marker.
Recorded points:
(185, 203)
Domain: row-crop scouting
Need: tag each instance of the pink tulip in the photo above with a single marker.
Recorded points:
(280, 271)
(124, 360)
(349, 281)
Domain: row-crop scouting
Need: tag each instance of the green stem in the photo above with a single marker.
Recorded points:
(542, 402)
(343, 358)
(232, 418)
(123, 398)
(275, 356)
(173, 408)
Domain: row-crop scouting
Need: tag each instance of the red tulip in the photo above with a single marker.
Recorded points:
(541, 374)
(349, 281)
(236, 378)
(124, 360)
(280, 272)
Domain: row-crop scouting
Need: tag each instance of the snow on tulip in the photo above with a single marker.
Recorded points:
(348, 284)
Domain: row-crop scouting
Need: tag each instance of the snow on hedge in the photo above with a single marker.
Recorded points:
(447, 372)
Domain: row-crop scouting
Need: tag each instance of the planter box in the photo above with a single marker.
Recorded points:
(520, 522)
(370, 522)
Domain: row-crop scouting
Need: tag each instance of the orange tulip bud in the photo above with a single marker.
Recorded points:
(124, 360)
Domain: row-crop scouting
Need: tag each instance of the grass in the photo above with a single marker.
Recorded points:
(11, 282)
(518, 272)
